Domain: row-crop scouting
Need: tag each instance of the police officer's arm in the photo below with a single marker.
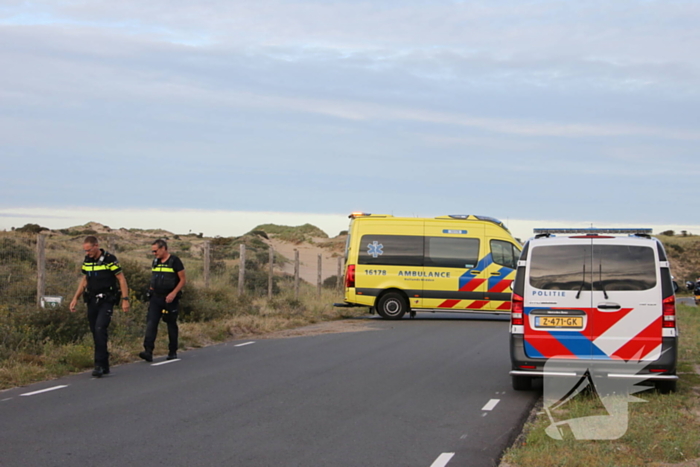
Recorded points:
(171, 296)
(78, 293)
(125, 291)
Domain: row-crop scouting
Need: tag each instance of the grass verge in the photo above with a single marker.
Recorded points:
(662, 431)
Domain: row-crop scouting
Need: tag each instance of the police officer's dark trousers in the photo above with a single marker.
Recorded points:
(157, 309)
(99, 315)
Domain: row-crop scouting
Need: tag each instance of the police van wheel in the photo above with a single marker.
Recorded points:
(392, 305)
(521, 383)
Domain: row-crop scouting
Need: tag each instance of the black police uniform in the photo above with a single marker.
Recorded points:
(101, 294)
(164, 279)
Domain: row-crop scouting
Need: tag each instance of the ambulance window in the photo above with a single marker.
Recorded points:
(623, 267)
(504, 253)
(448, 252)
(560, 267)
(391, 250)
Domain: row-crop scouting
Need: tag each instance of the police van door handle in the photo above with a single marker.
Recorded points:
(609, 306)
(475, 272)
(496, 273)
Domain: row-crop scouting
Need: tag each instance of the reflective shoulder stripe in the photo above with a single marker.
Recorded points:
(114, 267)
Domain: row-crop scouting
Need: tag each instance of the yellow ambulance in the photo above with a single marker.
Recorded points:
(451, 263)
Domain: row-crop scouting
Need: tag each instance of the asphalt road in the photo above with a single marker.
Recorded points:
(432, 391)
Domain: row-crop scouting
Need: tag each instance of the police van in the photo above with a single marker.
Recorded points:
(399, 265)
(602, 297)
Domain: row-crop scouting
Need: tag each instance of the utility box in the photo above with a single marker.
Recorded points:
(51, 301)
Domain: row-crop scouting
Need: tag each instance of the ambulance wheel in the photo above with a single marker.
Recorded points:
(665, 387)
(392, 305)
(521, 383)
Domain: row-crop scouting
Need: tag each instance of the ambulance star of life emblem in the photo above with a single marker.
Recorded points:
(375, 249)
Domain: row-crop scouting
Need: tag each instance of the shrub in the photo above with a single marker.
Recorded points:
(13, 251)
(31, 228)
(138, 277)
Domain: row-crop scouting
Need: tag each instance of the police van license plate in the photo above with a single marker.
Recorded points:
(559, 321)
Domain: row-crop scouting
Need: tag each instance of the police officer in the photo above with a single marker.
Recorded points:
(167, 280)
(101, 274)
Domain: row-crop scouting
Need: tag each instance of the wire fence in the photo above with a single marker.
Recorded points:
(45, 268)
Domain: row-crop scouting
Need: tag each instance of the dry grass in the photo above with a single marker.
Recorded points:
(664, 431)
(260, 317)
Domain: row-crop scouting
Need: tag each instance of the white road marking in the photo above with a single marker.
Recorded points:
(491, 404)
(43, 390)
(245, 343)
(166, 362)
(442, 459)
(5, 400)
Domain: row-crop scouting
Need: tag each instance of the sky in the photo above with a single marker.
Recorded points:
(215, 116)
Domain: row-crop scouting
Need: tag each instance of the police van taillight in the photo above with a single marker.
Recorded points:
(669, 312)
(350, 276)
(516, 312)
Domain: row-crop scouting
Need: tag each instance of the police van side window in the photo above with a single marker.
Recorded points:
(504, 253)
(448, 252)
(391, 250)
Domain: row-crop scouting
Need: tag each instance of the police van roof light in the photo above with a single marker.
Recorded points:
(593, 231)
(358, 214)
(459, 216)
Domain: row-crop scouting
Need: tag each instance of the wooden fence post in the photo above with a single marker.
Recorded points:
(296, 274)
(40, 267)
(206, 254)
(271, 274)
(340, 273)
(241, 271)
(319, 280)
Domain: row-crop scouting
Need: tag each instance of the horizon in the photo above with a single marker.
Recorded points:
(210, 224)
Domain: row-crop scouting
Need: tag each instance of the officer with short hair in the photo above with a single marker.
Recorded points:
(167, 281)
(101, 274)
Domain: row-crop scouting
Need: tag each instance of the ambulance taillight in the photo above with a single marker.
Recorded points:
(350, 276)
(516, 313)
(669, 312)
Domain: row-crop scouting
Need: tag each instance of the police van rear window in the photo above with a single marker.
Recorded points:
(596, 267)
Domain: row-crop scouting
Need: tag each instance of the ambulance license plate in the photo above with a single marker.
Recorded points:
(559, 321)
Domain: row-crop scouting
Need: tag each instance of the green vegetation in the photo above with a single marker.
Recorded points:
(37, 344)
(684, 254)
(299, 234)
(665, 429)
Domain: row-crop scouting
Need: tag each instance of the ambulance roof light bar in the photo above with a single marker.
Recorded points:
(593, 231)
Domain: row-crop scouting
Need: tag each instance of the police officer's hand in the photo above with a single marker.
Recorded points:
(170, 297)
(72, 305)
(125, 306)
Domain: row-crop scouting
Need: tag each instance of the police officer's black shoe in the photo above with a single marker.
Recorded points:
(105, 370)
(148, 356)
(171, 356)
(98, 372)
